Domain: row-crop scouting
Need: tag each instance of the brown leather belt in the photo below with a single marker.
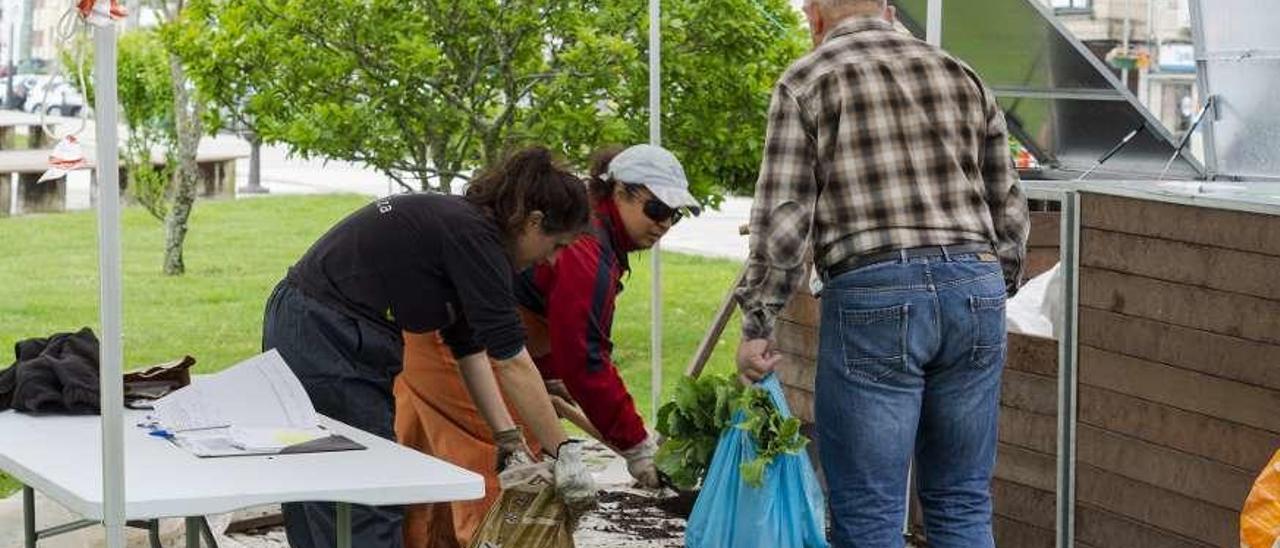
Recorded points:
(858, 261)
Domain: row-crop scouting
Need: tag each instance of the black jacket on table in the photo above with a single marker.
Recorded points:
(57, 375)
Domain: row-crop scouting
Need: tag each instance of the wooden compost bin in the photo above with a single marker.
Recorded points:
(1024, 484)
(1025, 481)
(1179, 370)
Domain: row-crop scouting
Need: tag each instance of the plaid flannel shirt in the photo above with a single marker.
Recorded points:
(877, 141)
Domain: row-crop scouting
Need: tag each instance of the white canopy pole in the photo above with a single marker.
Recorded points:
(933, 26)
(111, 353)
(655, 138)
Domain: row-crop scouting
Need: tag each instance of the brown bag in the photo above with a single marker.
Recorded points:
(157, 381)
(527, 514)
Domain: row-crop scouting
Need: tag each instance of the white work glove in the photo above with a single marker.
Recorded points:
(511, 449)
(640, 463)
(574, 483)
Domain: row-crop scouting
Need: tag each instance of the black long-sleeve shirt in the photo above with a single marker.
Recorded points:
(419, 262)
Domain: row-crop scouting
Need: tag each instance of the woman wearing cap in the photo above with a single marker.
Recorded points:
(427, 263)
(568, 309)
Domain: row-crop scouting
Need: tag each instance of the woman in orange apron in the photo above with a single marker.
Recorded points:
(567, 305)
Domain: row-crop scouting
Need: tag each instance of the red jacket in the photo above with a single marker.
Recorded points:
(576, 295)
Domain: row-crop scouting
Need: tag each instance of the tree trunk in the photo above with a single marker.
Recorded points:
(255, 166)
(444, 181)
(255, 163)
(186, 111)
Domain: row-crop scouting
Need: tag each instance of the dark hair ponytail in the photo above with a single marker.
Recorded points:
(531, 180)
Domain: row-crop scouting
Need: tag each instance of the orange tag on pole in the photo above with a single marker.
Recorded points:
(115, 11)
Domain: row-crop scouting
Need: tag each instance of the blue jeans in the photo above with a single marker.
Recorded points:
(910, 358)
(347, 367)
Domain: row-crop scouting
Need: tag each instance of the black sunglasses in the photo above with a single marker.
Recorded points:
(659, 212)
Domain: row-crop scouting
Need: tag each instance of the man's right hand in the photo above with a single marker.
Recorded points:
(755, 360)
(574, 483)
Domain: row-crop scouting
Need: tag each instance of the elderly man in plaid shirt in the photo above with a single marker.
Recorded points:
(890, 159)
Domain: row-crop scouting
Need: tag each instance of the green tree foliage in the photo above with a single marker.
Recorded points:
(161, 107)
(428, 90)
(146, 105)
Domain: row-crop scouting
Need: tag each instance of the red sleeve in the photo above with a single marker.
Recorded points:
(580, 306)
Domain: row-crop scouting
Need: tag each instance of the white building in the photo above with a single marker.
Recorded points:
(1160, 29)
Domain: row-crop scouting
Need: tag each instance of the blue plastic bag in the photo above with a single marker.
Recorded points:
(788, 511)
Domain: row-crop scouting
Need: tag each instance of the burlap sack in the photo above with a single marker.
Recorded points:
(527, 514)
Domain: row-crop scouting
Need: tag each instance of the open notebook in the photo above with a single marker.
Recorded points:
(257, 407)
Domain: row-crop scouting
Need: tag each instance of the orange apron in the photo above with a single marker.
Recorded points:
(435, 415)
(1260, 520)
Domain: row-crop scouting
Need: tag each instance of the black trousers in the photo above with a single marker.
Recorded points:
(347, 366)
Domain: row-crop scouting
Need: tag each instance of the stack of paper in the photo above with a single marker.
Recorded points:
(256, 407)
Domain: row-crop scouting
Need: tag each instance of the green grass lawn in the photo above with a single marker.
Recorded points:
(237, 251)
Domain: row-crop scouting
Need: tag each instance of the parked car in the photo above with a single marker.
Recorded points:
(52, 96)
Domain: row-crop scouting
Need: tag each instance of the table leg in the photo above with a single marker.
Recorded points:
(29, 516)
(193, 532)
(153, 533)
(344, 525)
(207, 531)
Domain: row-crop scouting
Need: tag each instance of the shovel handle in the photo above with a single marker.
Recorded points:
(576, 416)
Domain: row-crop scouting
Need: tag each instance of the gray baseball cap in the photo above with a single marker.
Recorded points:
(658, 170)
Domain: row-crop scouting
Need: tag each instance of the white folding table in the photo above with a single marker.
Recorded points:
(62, 458)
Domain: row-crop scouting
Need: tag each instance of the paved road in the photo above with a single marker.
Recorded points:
(712, 234)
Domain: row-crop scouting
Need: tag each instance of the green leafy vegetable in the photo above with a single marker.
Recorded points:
(772, 434)
(694, 419)
(691, 423)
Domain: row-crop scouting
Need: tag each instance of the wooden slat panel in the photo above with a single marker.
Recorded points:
(1035, 507)
(1015, 534)
(1039, 260)
(1190, 475)
(1107, 530)
(1046, 229)
(796, 338)
(802, 307)
(1243, 360)
(1029, 430)
(1206, 309)
(1238, 445)
(797, 371)
(1187, 390)
(1026, 467)
(1032, 354)
(1202, 266)
(1216, 227)
(1159, 508)
(1034, 393)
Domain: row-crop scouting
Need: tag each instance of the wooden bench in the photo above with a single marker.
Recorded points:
(21, 169)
